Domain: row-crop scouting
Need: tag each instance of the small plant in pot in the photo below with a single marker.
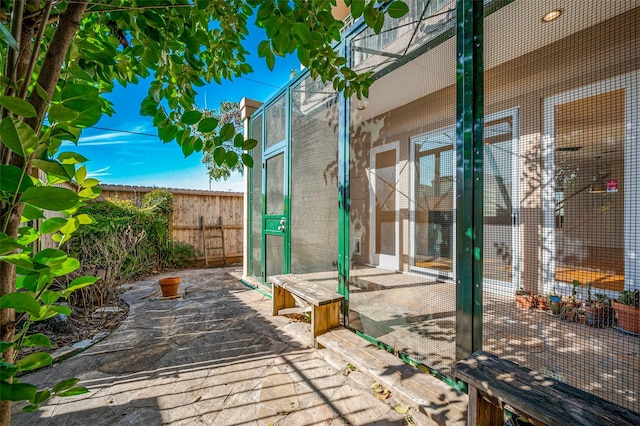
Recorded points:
(540, 302)
(524, 299)
(572, 300)
(555, 303)
(627, 309)
(599, 311)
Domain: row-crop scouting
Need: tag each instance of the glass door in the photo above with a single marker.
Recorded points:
(384, 206)
(432, 224)
(589, 187)
(432, 209)
(501, 256)
(276, 225)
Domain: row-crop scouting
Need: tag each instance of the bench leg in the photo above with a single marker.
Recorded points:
(482, 412)
(324, 318)
(281, 299)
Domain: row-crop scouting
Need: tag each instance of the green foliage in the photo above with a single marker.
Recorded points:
(178, 255)
(61, 189)
(123, 241)
(225, 145)
(629, 297)
(159, 199)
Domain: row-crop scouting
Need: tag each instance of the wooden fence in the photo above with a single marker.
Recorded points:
(211, 221)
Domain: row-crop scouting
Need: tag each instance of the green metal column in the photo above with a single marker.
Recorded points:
(469, 179)
(343, 198)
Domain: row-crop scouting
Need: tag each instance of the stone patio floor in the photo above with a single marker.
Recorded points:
(216, 357)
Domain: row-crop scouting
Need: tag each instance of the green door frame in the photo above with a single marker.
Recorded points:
(272, 224)
(276, 224)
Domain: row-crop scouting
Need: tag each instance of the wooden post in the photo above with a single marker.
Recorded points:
(481, 411)
(224, 253)
(204, 241)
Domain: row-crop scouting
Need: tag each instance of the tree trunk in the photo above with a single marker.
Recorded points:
(48, 78)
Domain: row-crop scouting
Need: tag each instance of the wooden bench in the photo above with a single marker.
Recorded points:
(324, 304)
(494, 382)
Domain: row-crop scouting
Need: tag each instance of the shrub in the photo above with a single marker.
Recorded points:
(125, 242)
(178, 255)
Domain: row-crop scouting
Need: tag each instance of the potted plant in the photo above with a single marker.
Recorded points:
(540, 302)
(524, 299)
(599, 311)
(572, 300)
(627, 309)
(555, 302)
(169, 286)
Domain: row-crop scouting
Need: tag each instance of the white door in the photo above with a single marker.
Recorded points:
(501, 217)
(385, 201)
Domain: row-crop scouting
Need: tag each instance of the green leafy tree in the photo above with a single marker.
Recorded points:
(220, 163)
(60, 57)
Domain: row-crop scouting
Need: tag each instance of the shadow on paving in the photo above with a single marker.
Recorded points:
(214, 357)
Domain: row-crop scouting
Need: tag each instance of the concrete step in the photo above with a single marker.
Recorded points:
(442, 404)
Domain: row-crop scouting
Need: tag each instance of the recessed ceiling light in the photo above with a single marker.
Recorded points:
(552, 15)
(361, 107)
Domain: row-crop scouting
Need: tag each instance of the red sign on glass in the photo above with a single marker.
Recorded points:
(612, 185)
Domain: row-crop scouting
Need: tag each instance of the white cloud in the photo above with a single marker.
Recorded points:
(100, 172)
(83, 143)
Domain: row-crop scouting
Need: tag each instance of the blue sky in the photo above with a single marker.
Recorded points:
(143, 160)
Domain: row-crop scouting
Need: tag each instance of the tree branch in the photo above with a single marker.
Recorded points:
(52, 67)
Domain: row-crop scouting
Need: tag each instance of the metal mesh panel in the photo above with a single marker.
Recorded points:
(275, 174)
(428, 21)
(561, 191)
(401, 288)
(256, 199)
(275, 118)
(314, 183)
(274, 249)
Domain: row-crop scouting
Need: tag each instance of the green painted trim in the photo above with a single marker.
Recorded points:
(344, 210)
(267, 219)
(259, 290)
(460, 386)
(469, 176)
(287, 183)
(248, 189)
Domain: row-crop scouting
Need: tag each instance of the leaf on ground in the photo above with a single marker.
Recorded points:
(348, 369)
(401, 409)
(380, 391)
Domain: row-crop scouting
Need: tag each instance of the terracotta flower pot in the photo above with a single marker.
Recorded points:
(169, 286)
(524, 300)
(628, 317)
(599, 316)
(540, 302)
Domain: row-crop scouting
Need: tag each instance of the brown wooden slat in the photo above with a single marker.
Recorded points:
(543, 398)
(191, 228)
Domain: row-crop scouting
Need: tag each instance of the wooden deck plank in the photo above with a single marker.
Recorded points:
(316, 295)
(541, 397)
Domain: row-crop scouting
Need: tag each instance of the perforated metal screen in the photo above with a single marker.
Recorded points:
(560, 188)
(314, 184)
(561, 191)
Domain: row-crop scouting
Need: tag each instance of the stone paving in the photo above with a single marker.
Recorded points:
(216, 357)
